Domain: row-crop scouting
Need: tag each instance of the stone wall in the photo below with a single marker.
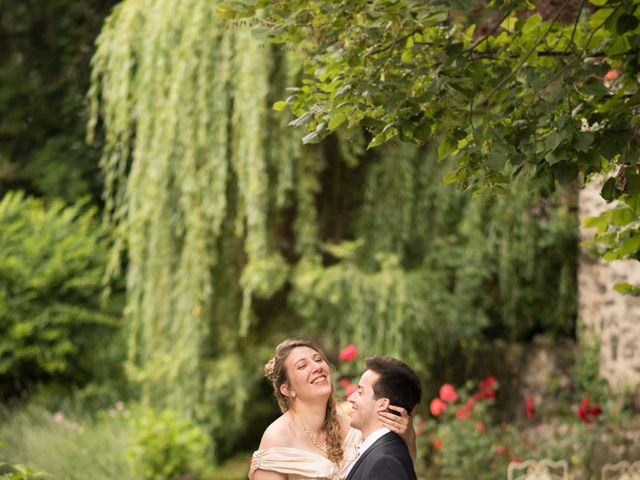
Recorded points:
(615, 318)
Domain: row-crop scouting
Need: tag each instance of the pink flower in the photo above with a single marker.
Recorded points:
(345, 382)
(530, 407)
(437, 406)
(348, 353)
(480, 426)
(351, 389)
(437, 444)
(448, 393)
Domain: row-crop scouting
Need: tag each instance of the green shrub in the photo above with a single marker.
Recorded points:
(18, 472)
(463, 442)
(51, 268)
(461, 439)
(15, 472)
(164, 446)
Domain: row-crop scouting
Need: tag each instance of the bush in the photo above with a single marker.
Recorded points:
(461, 440)
(164, 446)
(15, 472)
(51, 269)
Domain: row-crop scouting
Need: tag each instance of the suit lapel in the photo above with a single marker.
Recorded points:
(387, 437)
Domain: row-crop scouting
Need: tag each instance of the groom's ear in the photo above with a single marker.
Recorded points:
(382, 404)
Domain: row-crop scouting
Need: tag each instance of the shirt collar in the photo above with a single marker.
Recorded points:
(371, 438)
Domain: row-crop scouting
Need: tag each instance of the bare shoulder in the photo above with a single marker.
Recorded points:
(278, 434)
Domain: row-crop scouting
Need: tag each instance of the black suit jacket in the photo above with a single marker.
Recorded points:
(387, 459)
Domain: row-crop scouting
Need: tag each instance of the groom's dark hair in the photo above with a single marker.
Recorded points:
(397, 382)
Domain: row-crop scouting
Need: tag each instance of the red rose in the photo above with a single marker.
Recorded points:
(466, 411)
(582, 415)
(488, 382)
(437, 444)
(480, 426)
(345, 382)
(486, 389)
(487, 393)
(585, 411)
(437, 406)
(448, 393)
(529, 407)
(349, 352)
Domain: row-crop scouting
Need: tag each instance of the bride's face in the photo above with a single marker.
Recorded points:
(309, 374)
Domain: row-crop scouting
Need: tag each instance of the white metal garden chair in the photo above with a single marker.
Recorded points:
(544, 469)
(622, 470)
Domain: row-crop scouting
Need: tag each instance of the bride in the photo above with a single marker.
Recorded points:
(312, 439)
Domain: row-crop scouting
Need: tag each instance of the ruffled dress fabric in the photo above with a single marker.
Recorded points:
(299, 464)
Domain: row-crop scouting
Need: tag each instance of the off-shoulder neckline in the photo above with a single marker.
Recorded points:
(292, 449)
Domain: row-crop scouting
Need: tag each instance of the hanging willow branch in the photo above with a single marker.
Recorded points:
(185, 109)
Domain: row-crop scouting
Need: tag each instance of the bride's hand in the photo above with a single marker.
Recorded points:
(401, 424)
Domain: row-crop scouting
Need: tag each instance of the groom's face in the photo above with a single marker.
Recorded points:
(365, 407)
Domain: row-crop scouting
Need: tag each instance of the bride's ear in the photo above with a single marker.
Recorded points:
(284, 390)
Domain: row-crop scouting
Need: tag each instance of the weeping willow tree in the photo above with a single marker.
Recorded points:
(235, 236)
(195, 166)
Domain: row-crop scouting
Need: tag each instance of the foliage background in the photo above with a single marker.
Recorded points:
(51, 313)
(44, 73)
(230, 234)
(234, 233)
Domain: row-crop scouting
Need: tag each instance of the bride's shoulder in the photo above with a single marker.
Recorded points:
(278, 434)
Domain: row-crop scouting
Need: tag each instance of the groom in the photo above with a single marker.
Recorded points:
(383, 454)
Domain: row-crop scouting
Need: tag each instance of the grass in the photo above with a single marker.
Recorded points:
(68, 449)
(236, 468)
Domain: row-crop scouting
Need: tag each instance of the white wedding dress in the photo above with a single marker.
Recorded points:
(299, 464)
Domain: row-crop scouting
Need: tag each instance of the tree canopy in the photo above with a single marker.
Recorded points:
(544, 90)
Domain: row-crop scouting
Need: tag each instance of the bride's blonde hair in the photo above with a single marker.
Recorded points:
(276, 372)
